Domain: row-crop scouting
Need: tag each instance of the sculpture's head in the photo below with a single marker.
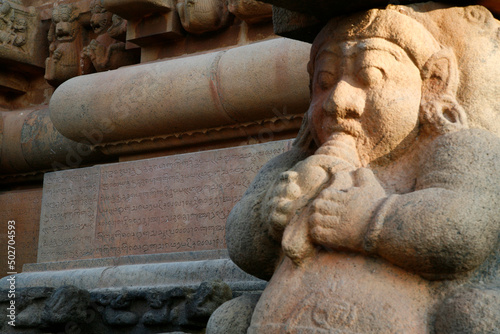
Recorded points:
(381, 77)
(454, 50)
(64, 17)
(118, 28)
(20, 24)
(100, 20)
(5, 7)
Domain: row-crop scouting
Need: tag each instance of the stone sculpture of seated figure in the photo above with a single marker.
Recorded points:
(385, 217)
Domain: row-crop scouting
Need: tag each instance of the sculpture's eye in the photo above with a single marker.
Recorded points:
(325, 80)
(371, 76)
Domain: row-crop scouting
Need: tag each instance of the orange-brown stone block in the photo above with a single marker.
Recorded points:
(23, 207)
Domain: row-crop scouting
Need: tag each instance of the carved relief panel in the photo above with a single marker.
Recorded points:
(20, 49)
(66, 42)
(20, 33)
(107, 51)
(15, 21)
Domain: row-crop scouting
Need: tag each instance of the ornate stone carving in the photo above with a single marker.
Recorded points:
(150, 22)
(19, 41)
(200, 16)
(106, 51)
(384, 218)
(66, 42)
(251, 11)
(134, 309)
(20, 28)
(14, 24)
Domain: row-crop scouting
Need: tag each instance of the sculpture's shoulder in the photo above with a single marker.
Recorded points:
(462, 159)
(466, 141)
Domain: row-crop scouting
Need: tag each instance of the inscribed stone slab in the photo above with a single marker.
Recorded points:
(69, 209)
(163, 205)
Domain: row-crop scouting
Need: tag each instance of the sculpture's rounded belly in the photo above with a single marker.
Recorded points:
(342, 293)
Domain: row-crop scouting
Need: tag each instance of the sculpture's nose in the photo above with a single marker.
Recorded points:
(345, 100)
(60, 29)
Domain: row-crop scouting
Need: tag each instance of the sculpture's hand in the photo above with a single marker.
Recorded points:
(280, 206)
(341, 213)
(57, 55)
(85, 52)
(295, 188)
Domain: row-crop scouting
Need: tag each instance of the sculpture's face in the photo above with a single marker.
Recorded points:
(20, 25)
(66, 26)
(100, 20)
(368, 88)
(118, 26)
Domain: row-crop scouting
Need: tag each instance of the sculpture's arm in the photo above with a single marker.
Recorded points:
(451, 223)
(248, 240)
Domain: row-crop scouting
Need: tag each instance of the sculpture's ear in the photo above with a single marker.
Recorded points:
(440, 110)
(440, 75)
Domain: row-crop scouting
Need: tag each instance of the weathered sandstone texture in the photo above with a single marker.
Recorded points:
(384, 217)
(212, 90)
(160, 309)
(163, 205)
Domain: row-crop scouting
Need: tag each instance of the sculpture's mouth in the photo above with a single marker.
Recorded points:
(350, 127)
(99, 26)
(64, 35)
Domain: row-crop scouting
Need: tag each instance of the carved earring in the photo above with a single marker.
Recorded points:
(443, 115)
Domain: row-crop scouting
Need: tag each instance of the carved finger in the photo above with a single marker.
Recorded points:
(289, 191)
(365, 177)
(334, 195)
(282, 191)
(342, 181)
(325, 207)
(292, 191)
(325, 221)
(324, 236)
(284, 206)
(278, 221)
(289, 176)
